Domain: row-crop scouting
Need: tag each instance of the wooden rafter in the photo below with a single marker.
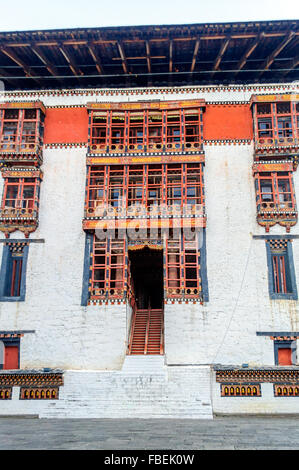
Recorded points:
(221, 52)
(195, 52)
(170, 55)
(49, 66)
(252, 46)
(148, 56)
(123, 57)
(15, 58)
(95, 57)
(270, 59)
(290, 65)
(70, 60)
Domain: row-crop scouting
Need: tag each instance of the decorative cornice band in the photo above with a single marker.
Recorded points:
(66, 145)
(150, 91)
(229, 142)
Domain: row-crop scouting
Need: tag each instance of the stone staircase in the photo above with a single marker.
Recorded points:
(144, 388)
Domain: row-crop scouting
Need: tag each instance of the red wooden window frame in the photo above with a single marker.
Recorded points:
(280, 191)
(140, 129)
(182, 268)
(281, 122)
(281, 285)
(148, 185)
(24, 124)
(108, 269)
(14, 198)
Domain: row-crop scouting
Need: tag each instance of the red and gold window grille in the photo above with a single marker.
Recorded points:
(20, 194)
(276, 123)
(275, 191)
(20, 129)
(147, 185)
(182, 268)
(151, 130)
(108, 269)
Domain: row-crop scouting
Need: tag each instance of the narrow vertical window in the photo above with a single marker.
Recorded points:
(281, 272)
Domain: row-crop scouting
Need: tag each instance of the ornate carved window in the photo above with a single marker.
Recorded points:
(275, 195)
(275, 121)
(135, 127)
(108, 269)
(21, 131)
(182, 268)
(146, 185)
(20, 200)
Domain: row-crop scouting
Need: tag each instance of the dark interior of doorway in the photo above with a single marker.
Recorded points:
(147, 275)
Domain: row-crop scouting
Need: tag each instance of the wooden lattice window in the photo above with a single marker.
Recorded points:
(116, 185)
(108, 268)
(173, 128)
(148, 185)
(182, 268)
(136, 130)
(140, 129)
(20, 193)
(99, 129)
(155, 129)
(276, 122)
(20, 128)
(284, 119)
(275, 189)
(192, 128)
(117, 130)
(136, 179)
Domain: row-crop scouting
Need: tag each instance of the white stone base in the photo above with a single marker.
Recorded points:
(164, 392)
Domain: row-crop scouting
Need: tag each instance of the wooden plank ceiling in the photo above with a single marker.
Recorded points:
(138, 56)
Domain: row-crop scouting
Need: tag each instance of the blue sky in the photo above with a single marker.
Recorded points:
(21, 15)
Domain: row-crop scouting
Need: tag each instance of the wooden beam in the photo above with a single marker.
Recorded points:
(221, 52)
(292, 64)
(96, 58)
(14, 57)
(170, 55)
(148, 56)
(70, 60)
(196, 47)
(248, 52)
(123, 57)
(270, 59)
(49, 66)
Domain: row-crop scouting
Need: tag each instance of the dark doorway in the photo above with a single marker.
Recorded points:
(147, 276)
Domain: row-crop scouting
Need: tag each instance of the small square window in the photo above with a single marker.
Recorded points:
(285, 353)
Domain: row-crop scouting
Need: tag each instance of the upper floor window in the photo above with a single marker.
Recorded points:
(275, 122)
(149, 127)
(275, 190)
(20, 129)
(19, 193)
(145, 185)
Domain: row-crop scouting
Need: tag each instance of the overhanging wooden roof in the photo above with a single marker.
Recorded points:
(166, 55)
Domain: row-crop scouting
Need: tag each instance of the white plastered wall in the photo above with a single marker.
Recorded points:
(94, 337)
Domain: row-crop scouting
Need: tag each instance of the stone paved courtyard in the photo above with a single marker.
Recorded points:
(221, 433)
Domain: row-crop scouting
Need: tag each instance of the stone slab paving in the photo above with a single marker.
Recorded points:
(261, 433)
